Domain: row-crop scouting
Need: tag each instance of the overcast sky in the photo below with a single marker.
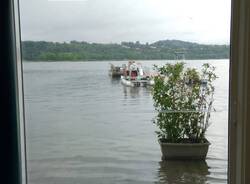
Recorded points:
(106, 21)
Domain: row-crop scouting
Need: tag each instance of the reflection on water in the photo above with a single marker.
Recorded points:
(188, 172)
(132, 92)
(85, 127)
(136, 92)
(115, 80)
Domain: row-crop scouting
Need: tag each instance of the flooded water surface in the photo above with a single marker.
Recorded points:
(85, 128)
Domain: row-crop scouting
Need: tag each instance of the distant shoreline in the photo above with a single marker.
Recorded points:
(84, 51)
(29, 61)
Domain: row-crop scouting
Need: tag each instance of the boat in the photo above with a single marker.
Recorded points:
(135, 76)
(115, 71)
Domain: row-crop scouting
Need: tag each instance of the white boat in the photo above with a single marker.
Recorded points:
(135, 76)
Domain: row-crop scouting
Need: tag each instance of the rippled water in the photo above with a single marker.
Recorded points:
(84, 127)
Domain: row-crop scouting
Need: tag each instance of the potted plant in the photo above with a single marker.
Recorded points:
(183, 99)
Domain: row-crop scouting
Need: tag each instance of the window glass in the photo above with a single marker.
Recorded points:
(87, 124)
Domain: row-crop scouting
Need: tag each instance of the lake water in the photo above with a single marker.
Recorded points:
(84, 127)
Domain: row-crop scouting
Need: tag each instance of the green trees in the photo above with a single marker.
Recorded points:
(183, 100)
(75, 50)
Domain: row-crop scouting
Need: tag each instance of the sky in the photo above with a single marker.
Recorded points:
(114, 21)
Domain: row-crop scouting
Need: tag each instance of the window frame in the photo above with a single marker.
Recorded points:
(239, 98)
(12, 127)
(11, 95)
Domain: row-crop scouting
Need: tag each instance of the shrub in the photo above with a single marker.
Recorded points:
(183, 99)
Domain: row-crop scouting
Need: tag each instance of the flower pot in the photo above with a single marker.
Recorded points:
(184, 151)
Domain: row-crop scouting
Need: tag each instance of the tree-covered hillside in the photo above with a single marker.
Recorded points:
(74, 51)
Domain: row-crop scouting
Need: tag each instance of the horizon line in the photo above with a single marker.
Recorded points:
(142, 43)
